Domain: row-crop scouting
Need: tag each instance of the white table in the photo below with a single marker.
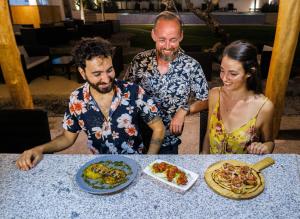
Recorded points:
(49, 191)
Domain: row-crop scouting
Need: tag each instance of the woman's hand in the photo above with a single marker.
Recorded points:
(258, 148)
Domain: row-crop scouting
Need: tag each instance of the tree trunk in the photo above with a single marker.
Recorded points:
(210, 21)
(11, 62)
(287, 31)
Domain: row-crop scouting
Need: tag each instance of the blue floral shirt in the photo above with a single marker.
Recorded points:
(172, 90)
(119, 133)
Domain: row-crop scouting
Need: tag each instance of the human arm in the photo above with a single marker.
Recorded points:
(199, 88)
(177, 122)
(158, 134)
(212, 100)
(266, 145)
(30, 158)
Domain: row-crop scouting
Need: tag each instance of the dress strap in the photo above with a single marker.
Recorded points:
(219, 96)
(266, 99)
(216, 109)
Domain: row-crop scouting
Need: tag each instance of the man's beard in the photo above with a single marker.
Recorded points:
(167, 58)
(102, 90)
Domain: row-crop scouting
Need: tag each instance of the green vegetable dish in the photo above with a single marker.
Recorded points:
(106, 174)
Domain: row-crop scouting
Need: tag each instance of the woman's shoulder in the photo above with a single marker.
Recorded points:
(213, 95)
(215, 91)
(266, 104)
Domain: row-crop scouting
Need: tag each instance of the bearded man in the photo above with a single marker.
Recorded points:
(105, 108)
(170, 77)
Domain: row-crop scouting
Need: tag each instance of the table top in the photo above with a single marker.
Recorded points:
(50, 191)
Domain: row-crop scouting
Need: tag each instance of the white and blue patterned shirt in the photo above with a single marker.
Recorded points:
(119, 134)
(172, 90)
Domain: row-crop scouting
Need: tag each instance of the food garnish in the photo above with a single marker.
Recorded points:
(238, 179)
(171, 172)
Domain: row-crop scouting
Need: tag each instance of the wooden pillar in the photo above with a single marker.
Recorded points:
(287, 32)
(11, 62)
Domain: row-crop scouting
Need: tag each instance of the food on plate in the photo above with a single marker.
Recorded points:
(238, 179)
(106, 174)
(171, 172)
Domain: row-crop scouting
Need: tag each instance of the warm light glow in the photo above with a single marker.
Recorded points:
(38, 2)
(257, 4)
(32, 2)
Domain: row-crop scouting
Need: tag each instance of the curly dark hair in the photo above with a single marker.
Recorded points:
(246, 54)
(88, 48)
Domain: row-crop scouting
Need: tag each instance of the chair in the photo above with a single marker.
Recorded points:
(146, 133)
(117, 60)
(230, 7)
(265, 61)
(29, 36)
(22, 129)
(103, 29)
(203, 6)
(216, 7)
(35, 61)
(151, 7)
(203, 128)
(137, 6)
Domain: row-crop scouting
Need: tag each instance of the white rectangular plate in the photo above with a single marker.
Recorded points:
(191, 176)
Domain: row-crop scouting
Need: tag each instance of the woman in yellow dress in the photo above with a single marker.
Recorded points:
(240, 116)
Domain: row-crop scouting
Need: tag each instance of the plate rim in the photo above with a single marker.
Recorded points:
(79, 180)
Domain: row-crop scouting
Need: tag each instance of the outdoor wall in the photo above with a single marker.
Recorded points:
(35, 14)
(41, 3)
(61, 7)
(240, 5)
(28, 14)
(244, 5)
(49, 14)
(190, 18)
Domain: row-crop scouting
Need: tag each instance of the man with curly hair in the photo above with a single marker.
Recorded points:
(105, 108)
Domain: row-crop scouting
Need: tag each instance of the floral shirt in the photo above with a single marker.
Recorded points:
(171, 90)
(119, 133)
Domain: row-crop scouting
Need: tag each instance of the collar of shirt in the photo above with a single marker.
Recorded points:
(119, 95)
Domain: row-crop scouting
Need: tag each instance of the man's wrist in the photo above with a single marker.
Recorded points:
(186, 108)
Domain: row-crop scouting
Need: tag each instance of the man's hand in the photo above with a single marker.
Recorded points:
(29, 158)
(176, 125)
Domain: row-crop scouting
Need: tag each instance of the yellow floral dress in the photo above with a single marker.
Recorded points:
(235, 142)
